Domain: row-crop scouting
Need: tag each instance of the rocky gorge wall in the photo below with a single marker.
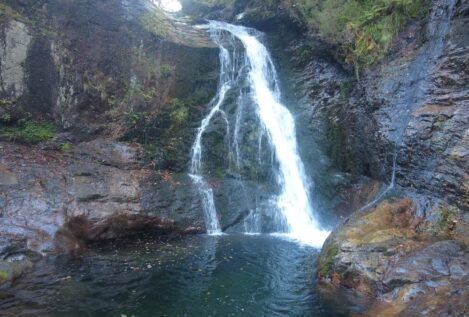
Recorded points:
(124, 93)
(412, 107)
(411, 254)
(98, 99)
(406, 254)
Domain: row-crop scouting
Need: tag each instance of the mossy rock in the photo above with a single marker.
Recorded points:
(326, 264)
(9, 271)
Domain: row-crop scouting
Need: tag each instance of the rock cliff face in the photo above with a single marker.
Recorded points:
(96, 96)
(99, 101)
(84, 64)
(406, 119)
(411, 108)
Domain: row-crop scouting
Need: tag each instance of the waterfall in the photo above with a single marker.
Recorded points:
(205, 191)
(253, 69)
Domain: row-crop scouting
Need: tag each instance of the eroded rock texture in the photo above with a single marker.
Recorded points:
(410, 266)
(411, 254)
(124, 87)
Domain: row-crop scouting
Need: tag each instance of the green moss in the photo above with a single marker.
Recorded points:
(328, 263)
(65, 147)
(345, 90)
(443, 222)
(6, 105)
(157, 22)
(363, 28)
(28, 132)
(7, 12)
(4, 276)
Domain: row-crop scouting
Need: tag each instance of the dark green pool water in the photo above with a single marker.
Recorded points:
(229, 275)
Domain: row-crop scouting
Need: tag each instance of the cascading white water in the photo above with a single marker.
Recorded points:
(278, 123)
(206, 193)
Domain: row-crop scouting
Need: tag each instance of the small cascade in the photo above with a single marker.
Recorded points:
(247, 71)
(205, 191)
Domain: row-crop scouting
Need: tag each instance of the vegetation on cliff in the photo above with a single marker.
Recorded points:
(363, 28)
(28, 132)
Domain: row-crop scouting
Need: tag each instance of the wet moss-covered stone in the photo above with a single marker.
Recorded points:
(388, 253)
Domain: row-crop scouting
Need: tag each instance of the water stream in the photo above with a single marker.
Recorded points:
(247, 71)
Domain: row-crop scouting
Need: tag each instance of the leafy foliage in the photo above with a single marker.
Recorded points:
(5, 107)
(65, 147)
(3, 276)
(363, 28)
(30, 132)
(133, 118)
(179, 113)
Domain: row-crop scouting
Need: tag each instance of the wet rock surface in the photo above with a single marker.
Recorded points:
(120, 85)
(422, 99)
(55, 201)
(390, 254)
(412, 107)
(117, 166)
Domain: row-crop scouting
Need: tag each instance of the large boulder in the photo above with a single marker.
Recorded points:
(400, 261)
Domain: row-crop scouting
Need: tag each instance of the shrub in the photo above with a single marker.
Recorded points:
(65, 147)
(363, 28)
(28, 132)
(179, 113)
(133, 118)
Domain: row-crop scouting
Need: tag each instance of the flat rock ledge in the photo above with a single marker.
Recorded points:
(55, 201)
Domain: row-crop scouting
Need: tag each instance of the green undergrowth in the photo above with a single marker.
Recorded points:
(65, 147)
(30, 132)
(364, 29)
(164, 135)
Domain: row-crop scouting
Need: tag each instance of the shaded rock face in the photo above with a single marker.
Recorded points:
(413, 105)
(423, 108)
(85, 64)
(53, 201)
(409, 108)
(125, 86)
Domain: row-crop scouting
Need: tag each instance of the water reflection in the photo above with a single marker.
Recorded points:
(230, 275)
